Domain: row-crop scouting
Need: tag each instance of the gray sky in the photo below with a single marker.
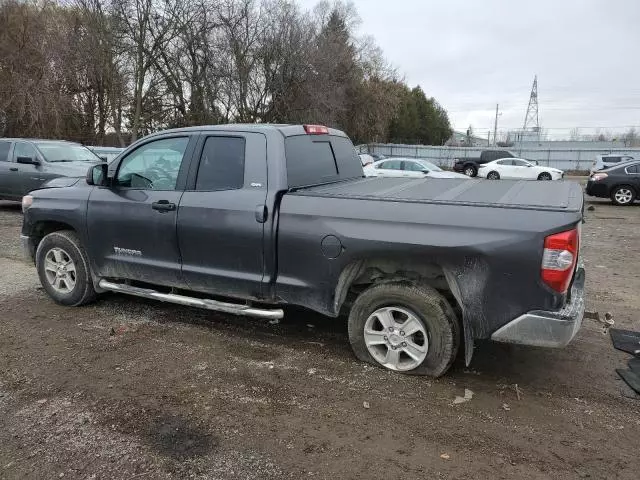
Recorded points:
(472, 54)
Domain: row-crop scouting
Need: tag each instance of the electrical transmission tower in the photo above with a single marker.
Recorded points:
(531, 118)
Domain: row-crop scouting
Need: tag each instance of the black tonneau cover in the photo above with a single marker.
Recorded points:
(564, 196)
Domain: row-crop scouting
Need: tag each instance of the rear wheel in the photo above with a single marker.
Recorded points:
(544, 176)
(405, 327)
(470, 171)
(493, 175)
(623, 195)
(63, 268)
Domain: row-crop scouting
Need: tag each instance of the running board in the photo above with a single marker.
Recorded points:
(205, 303)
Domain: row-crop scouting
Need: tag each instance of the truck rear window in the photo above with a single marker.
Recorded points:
(315, 159)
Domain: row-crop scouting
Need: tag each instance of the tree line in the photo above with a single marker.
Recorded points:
(111, 71)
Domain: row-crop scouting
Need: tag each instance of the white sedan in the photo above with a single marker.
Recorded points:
(517, 168)
(408, 167)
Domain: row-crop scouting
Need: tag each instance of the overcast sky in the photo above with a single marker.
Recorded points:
(472, 54)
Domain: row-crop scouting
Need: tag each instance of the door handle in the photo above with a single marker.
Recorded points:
(163, 206)
(14, 169)
(262, 213)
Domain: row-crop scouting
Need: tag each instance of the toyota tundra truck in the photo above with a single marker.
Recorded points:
(248, 219)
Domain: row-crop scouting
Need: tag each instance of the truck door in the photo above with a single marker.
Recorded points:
(222, 215)
(132, 223)
(7, 169)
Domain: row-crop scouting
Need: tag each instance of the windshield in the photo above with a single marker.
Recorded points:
(66, 152)
(430, 166)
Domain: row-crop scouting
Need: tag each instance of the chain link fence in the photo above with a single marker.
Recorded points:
(564, 159)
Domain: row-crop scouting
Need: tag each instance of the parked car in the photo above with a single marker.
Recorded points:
(469, 166)
(25, 164)
(408, 167)
(416, 266)
(620, 183)
(518, 168)
(609, 160)
(106, 153)
(366, 159)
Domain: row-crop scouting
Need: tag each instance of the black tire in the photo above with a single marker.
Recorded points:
(429, 307)
(493, 175)
(83, 291)
(470, 170)
(618, 193)
(545, 176)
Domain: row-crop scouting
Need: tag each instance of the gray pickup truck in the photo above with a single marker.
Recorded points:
(247, 219)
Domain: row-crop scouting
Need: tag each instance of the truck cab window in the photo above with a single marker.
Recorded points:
(153, 166)
(221, 164)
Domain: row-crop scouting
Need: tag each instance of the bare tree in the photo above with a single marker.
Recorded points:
(113, 70)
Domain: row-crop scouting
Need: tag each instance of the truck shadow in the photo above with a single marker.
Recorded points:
(492, 363)
(8, 206)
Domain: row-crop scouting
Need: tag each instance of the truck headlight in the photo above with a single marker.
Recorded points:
(27, 200)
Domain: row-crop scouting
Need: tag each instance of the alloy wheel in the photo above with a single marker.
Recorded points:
(396, 338)
(60, 270)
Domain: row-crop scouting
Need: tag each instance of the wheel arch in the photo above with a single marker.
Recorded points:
(361, 274)
(628, 185)
(43, 228)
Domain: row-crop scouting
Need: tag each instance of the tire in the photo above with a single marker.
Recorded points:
(470, 171)
(623, 195)
(424, 305)
(545, 176)
(493, 175)
(64, 248)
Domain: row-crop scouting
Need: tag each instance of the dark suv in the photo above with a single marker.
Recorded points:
(25, 164)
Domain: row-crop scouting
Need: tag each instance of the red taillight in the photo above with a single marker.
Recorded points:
(559, 259)
(598, 176)
(316, 129)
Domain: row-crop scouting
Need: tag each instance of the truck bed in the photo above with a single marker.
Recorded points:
(559, 196)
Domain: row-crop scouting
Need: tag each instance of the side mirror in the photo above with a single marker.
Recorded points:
(28, 160)
(97, 175)
(425, 171)
(103, 158)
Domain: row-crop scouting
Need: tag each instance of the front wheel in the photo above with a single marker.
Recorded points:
(405, 327)
(623, 195)
(544, 176)
(470, 171)
(493, 176)
(63, 268)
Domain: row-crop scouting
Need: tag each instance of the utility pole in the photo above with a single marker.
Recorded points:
(495, 127)
(531, 119)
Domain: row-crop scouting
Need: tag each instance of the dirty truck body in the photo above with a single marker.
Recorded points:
(452, 260)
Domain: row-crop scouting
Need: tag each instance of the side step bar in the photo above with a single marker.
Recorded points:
(207, 304)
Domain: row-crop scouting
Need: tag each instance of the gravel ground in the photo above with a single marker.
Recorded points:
(128, 388)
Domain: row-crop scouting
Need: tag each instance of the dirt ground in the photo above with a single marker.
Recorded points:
(128, 388)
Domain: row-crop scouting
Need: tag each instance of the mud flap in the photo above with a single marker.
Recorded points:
(625, 340)
(466, 327)
(631, 378)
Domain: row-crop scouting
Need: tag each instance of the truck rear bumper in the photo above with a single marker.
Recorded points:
(547, 328)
